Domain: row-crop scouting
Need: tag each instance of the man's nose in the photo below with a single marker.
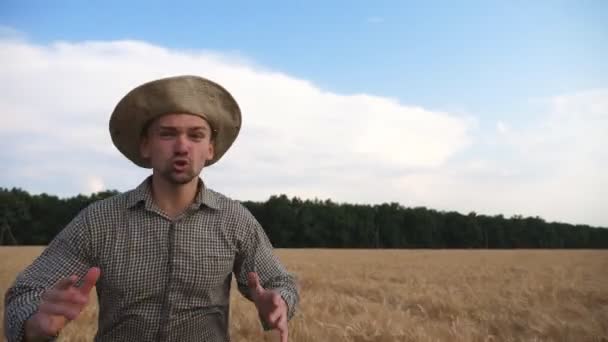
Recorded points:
(181, 144)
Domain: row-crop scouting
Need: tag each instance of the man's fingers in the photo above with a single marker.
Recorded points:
(70, 296)
(283, 334)
(65, 283)
(253, 280)
(60, 309)
(89, 280)
(274, 317)
(279, 307)
(282, 327)
(277, 300)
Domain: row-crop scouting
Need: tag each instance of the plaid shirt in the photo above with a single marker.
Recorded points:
(161, 279)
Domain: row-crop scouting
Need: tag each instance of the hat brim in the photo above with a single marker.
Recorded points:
(181, 94)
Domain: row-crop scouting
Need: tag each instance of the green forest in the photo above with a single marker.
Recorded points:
(27, 219)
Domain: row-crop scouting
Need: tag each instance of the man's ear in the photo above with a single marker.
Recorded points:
(144, 148)
(211, 150)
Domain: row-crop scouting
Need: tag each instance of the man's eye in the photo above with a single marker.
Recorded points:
(197, 136)
(167, 134)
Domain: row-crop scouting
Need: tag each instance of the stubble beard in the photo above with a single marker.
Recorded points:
(178, 178)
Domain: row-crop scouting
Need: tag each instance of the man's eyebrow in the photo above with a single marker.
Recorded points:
(196, 128)
(173, 128)
(167, 128)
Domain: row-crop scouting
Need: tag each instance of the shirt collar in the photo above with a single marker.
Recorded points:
(143, 194)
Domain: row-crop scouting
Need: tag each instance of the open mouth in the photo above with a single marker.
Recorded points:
(180, 165)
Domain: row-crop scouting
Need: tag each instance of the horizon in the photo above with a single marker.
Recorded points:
(322, 200)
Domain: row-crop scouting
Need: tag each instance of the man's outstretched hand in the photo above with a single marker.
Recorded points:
(60, 304)
(271, 306)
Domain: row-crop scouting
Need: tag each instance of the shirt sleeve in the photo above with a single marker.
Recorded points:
(69, 253)
(255, 254)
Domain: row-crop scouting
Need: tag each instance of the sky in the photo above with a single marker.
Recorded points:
(493, 107)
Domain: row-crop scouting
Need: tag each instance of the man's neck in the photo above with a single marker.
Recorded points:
(173, 199)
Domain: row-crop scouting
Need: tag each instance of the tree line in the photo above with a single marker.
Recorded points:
(295, 223)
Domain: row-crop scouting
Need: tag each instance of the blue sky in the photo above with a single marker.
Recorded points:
(474, 55)
(496, 77)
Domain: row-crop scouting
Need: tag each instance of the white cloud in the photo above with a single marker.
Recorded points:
(553, 167)
(63, 94)
(94, 184)
(502, 127)
(297, 138)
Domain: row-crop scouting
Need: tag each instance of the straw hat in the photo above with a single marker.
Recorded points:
(180, 94)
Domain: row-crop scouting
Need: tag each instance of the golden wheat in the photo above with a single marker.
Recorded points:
(420, 295)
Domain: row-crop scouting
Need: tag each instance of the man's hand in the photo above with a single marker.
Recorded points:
(60, 304)
(270, 305)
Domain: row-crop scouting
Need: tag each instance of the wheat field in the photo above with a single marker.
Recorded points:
(417, 295)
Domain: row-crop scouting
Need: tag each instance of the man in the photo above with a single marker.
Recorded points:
(162, 255)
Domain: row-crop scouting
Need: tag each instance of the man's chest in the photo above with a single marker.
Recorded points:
(147, 258)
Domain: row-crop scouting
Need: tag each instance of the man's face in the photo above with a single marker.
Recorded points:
(178, 145)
